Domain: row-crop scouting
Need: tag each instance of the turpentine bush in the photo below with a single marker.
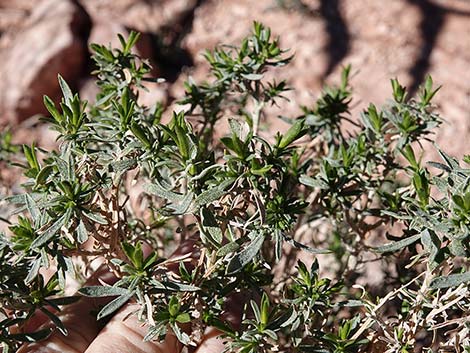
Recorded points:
(124, 176)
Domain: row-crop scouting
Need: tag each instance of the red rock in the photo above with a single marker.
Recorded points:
(51, 41)
(141, 15)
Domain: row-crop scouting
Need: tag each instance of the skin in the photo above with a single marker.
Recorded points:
(123, 333)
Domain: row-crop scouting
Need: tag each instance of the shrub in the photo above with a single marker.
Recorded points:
(330, 185)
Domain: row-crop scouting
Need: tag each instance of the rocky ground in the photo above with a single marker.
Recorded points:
(398, 38)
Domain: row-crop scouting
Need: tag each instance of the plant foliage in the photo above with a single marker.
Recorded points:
(125, 178)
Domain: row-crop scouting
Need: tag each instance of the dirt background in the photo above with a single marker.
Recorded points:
(406, 39)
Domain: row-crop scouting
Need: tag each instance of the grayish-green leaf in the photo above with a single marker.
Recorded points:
(156, 189)
(66, 91)
(228, 248)
(95, 217)
(173, 286)
(247, 255)
(397, 245)
(33, 271)
(49, 233)
(103, 291)
(33, 209)
(313, 182)
(213, 194)
(114, 305)
(183, 207)
(82, 234)
(450, 281)
(210, 229)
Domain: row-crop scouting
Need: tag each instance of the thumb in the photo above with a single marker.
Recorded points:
(124, 334)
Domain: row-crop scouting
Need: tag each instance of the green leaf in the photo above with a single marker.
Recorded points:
(431, 244)
(49, 233)
(95, 217)
(313, 182)
(138, 256)
(129, 250)
(397, 245)
(44, 174)
(247, 255)
(453, 280)
(262, 171)
(409, 154)
(131, 40)
(182, 141)
(214, 194)
(228, 248)
(60, 326)
(210, 229)
(459, 202)
(399, 91)
(182, 336)
(156, 189)
(103, 291)
(183, 318)
(114, 305)
(82, 234)
(151, 260)
(30, 154)
(440, 166)
(264, 309)
(294, 133)
(33, 271)
(375, 117)
(183, 207)
(421, 185)
(33, 209)
(174, 306)
(66, 91)
(173, 286)
(50, 106)
(141, 134)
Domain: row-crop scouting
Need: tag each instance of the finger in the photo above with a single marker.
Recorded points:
(78, 318)
(124, 334)
(212, 342)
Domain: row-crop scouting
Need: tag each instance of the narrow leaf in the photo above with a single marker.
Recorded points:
(294, 132)
(158, 190)
(115, 305)
(95, 217)
(213, 194)
(82, 234)
(66, 91)
(397, 245)
(52, 230)
(450, 280)
(103, 291)
(245, 256)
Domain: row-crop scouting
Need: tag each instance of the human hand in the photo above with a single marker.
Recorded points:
(122, 334)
